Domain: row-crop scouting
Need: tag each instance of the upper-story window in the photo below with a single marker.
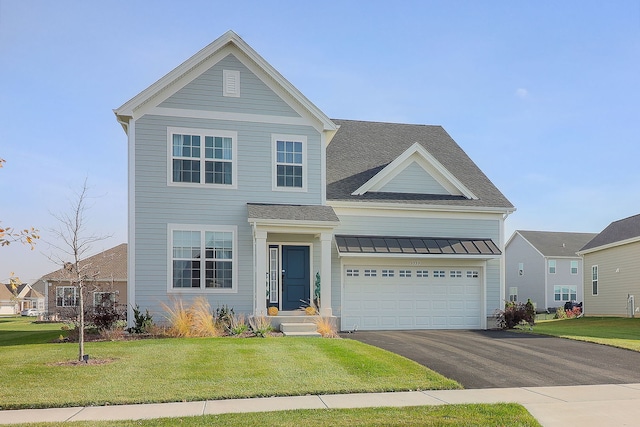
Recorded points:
(574, 267)
(202, 157)
(521, 269)
(552, 266)
(290, 162)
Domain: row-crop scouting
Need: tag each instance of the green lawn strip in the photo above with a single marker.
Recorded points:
(446, 415)
(165, 370)
(613, 331)
(25, 330)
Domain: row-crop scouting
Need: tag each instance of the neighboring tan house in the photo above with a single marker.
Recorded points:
(13, 301)
(612, 270)
(543, 266)
(107, 282)
(242, 191)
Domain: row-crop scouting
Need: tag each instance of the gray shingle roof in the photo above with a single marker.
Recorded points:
(557, 244)
(617, 231)
(109, 264)
(291, 212)
(359, 150)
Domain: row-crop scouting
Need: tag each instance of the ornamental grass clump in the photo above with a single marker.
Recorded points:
(326, 327)
(196, 320)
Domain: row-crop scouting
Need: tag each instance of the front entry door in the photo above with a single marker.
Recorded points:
(296, 277)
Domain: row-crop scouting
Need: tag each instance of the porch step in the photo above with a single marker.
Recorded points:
(299, 330)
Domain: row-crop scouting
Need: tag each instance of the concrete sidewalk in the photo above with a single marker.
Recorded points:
(586, 406)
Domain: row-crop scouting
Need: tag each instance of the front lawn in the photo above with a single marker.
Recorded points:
(446, 415)
(188, 369)
(613, 331)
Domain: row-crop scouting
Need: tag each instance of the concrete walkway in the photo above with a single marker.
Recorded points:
(586, 406)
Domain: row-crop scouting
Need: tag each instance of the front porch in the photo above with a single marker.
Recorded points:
(297, 323)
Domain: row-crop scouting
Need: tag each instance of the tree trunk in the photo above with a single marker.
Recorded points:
(81, 324)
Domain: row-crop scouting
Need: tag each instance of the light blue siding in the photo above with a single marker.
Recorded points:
(205, 93)
(414, 179)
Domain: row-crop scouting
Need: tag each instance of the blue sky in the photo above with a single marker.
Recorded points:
(543, 95)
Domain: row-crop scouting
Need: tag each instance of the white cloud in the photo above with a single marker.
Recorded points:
(522, 93)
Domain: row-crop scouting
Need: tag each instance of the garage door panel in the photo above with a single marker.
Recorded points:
(395, 298)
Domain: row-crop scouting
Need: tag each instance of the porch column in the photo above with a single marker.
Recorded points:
(261, 273)
(325, 274)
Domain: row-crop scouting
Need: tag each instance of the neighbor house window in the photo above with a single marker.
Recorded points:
(574, 267)
(513, 293)
(66, 296)
(105, 299)
(565, 293)
(521, 269)
(204, 157)
(594, 280)
(552, 266)
(290, 162)
(202, 259)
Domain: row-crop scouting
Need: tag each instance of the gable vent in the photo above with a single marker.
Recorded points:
(231, 83)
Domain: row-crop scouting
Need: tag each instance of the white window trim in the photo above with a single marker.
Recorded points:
(555, 266)
(597, 280)
(226, 76)
(577, 267)
(103, 292)
(521, 269)
(513, 294)
(202, 228)
(202, 133)
(570, 288)
(274, 161)
(75, 295)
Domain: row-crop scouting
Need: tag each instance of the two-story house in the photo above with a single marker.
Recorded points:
(543, 266)
(241, 190)
(612, 268)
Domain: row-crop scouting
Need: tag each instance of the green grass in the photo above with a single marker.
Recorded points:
(446, 415)
(188, 369)
(24, 330)
(613, 331)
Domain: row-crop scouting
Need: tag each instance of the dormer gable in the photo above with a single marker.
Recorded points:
(415, 171)
(232, 86)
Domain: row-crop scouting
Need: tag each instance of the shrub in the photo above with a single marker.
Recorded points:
(224, 317)
(260, 325)
(105, 317)
(238, 325)
(143, 322)
(514, 314)
(560, 313)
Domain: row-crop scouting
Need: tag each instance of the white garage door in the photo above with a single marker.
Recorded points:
(411, 298)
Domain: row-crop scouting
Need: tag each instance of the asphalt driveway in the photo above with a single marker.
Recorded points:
(488, 359)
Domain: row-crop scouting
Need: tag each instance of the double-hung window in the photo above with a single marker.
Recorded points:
(202, 157)
(594, 280)
(104, 299)
(66, 296)
(552, 266)
(289, 152)
(202, 258)
(574, 267)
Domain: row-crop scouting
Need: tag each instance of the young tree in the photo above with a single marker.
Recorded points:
(9, 234)
(74, 241)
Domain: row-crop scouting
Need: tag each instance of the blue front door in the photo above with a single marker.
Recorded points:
(296, 277)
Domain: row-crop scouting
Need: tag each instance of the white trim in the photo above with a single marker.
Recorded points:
(597, 280)
(131, 245)
(274, 162)
(429, 163)
(203, 133)
(229, 116)
(202, 229)
(609, 245)
(421, 207)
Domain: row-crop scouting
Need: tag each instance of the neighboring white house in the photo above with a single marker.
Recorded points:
(612, 270)
(543, 266)
(241, 190)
